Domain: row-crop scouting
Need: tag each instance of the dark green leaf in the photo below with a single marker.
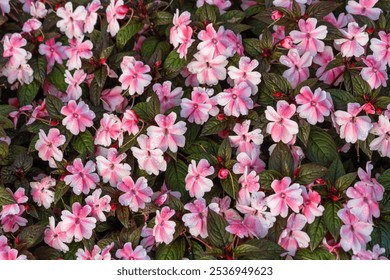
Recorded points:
(173, 64)
(213, 126)
(331, 220)
(384, 179)
(127, 32)
(230, 185)
(345, 181)
(175, 175)
(54, 106)
(39, 64)
(341, 98)
(84, 143)
(259, 249)
(318, 254)
(57, 78)
(162, 18)
(321, 147)
(335, 171)
(267, 177)
(172, 251)
(5, 197)
(208, 13)
(216, 227)
(309, 172)
(252, 46)
(321, 9)
(304, 131)
(28, 92)
(381, 236)
(316, 232)
(60, 190)
(282, 160)
(225, 150)
(123, 215)
(31, 235)
(233, 16)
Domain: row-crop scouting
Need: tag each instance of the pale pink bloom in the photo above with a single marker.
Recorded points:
(222, 5)
(12, 222)
(134, 77)
(185, 38)
(53, 51)
(364, 8)
(293, 237)
(135, 194)
(82, 179)
(72, 22)
(127, 253)
(110, 129)
(380, 47)
(130, 122)
(313, 106)
(209, 70)
(13, 49)
(249, 226)
(4, 244)
(147, 240)
(287, 3)
(362, 202)
(77, 117)
(111, 169)
(191, 78)
(199, 107)
(196, 221)
(55, 237)
(19, 71)
(31, 25)
(214, 43)
(96, 253)
(164, 228)
(354, 234)
(286, 196)
(280, 37)
(245, 73)
(245, 139)
(333, 76)
(92, 16)
(245, 4)
(196, 182)
(352, 127)
(11, 254)
(375, 73)
(77, 50)
(310, 206)
(168, 98)
(375, 254)
(180, 22)
(167, 135)
(5, 7)
(236, 100)
(74, 90)
(249, 184)
(382, 143)
(309, 37)
(162, 196)
(115, 10)
(47, 145)
(249, 161)
(112, 98)
(354, 40)
(16, 114)
(298, 65)
(365, 176)
(341, 21)
(42, 192)
(38, 9)
(235, 41)
(281, 128)
(19, 197)
(77, 223)
(99, 205)
(150, 158)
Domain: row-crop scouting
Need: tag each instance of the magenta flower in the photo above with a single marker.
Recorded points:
(354, 40)
(74, 90)
(381, 143)
(380, 48)
(236, 100)
(375, 73)
(98, 205)
(286, 196)
(53, 51)
(83, 179)
(293, 237)
(362, 202)
(281, 128)
(111, 169)
(127, 253)
(164, 228)
(196, 182)
(168, 98)
(47, 145)
(364, 8)
(134, 77)
(245, 73)
(310, 206)
(110, 129)
(333, 76)
(77, 50)
(199, 107)
(77, 117)
(214, 43)
(5, 7)
(298, 65)
(130, 122)
(245, 139)
(96, 253)
(55, 237)
(167, 135)
(115, 10)
(135, 194)
(209, 70)
(42, 192)
(112, 99)
(72, 22)
(196, 221)
(77, 224)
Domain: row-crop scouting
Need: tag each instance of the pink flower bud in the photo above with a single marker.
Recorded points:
(223, 173)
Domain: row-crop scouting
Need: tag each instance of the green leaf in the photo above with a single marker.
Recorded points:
(258, 249)
(175, 175)
(384, 179)
(3, 149)
(304, 131)
(5, 197)
(345, 181)
(39, 64)
(213, 126)
(54, 106)
(267, 177)
(360, 86)
(321, 147)
(172, 251)
(208, 13)
(381, 236)
(123, 215)
(173, 64)
(266, 40)
(162, 18)
(332, 222)
(6, 109)
(318, 254)
(84, 143)
(252, 46)
(282, 160)
(309, 172)
(321, 9)
(28, 92)
(60, 190)
(316, 232)
(230, 185)
(233, 16)
(225, 150)
(127, 32)
(148, 110)
(341, 98)
(270, 84)
(175, 203)
(333, 32)
(5, 122)
(57, 78)
(148, 46)
(336, 170)
(31, 235)
(131, 235)
(216, 227)
(382, 101)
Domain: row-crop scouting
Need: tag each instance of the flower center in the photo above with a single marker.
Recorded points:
(51, 49)
(77, 222)
(75, 115)
(196, 106)
(234, 96)
(81, 174)
(313, 103)
(308, 36)
(283, 195)
(307, 202)
(214, 41)
(134, 76)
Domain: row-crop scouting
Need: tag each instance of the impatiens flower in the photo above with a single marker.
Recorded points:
(77, 50)
(382, 143)
(112, 98)
(130, 122)
(11, 254)
(213, 43)
(375, 254)
(42, 192)
(332, 76)
(82, 179)
(375, 73)
(72, 22)
(96, 253)
(19, 197)
(162, 196)
(12, 222)
(380, 48)
(313, 106)
(354, 234)
(92, 16)
(365, 176)
(245, 73)
(341, 21)
(354, 40)
(352, 127)
(53, 51)
(31, 25)
(13, 49)
(134, 77)
(293, 237)
(5, 7)
(77, 117)
(55, 237)
(110, 129)
(147, 238)
(111, 169)
(196, 221)
(362, 203)
(164, 228)
(249, 161)
(150, 158)
(77, 223)
(185, 38)
(180, 22)
(167, 135)
(47, 145)
(115, 10)
(236, 100)
(209, 70)
(168, 98)
(249, 184)
(135, 194)
(245, 138)
(311, 207)
(199, 107)
(309, 37)
(281, 128)
(286, 196)
(37, 9)
(298, 65)
(196, 182)
(98, 205)
(127, 253)
(364, 8)
(74, 81)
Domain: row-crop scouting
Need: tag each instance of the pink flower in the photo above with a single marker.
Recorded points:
(4, 244)
(116, 10)
(91, 17)
(380, 48)
(298, 65)
(111, 169)
(245, 139)
(245, 73)
(352, 127)
(167, 134)
(31, 25)
(96, 253)
(54, 52)
(19, 197)
(110, 129)
(78, 117)
(365, 176)
(185, 38)
(127, 253)
(112, 99)
(333, 76)
(74, 90)
(98, 205)
(135, 195)
(311, 207)
(249, 226)
(355, 39)
(55, 237)
(83, 179)
(209, 70)
(293, 237)
(72, 22)
(196, 182)
(214, 43)
(375, 73)
(249, 184)
(313, 107)
(12, 222)
(76, 51)
(13, 49)
(364, 8)
(168, 98)
(342, 20)
(47, 145)
(180, 22)
(375, 254)
(164, 228)
(42, 192)
(162, 196)
(147, 238)
(285, 196)
(235, 41)
(249, 161)
(77, 223)
(362, 202)
(11, 254)
(37, 9)
(130, 122)
(5, 7)
(196, 221)
(281, 128)
(354, 234)
(150, 158)
(382, 143)
(309, 37)
(236, 100)
(199, 107)
(134, 77)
